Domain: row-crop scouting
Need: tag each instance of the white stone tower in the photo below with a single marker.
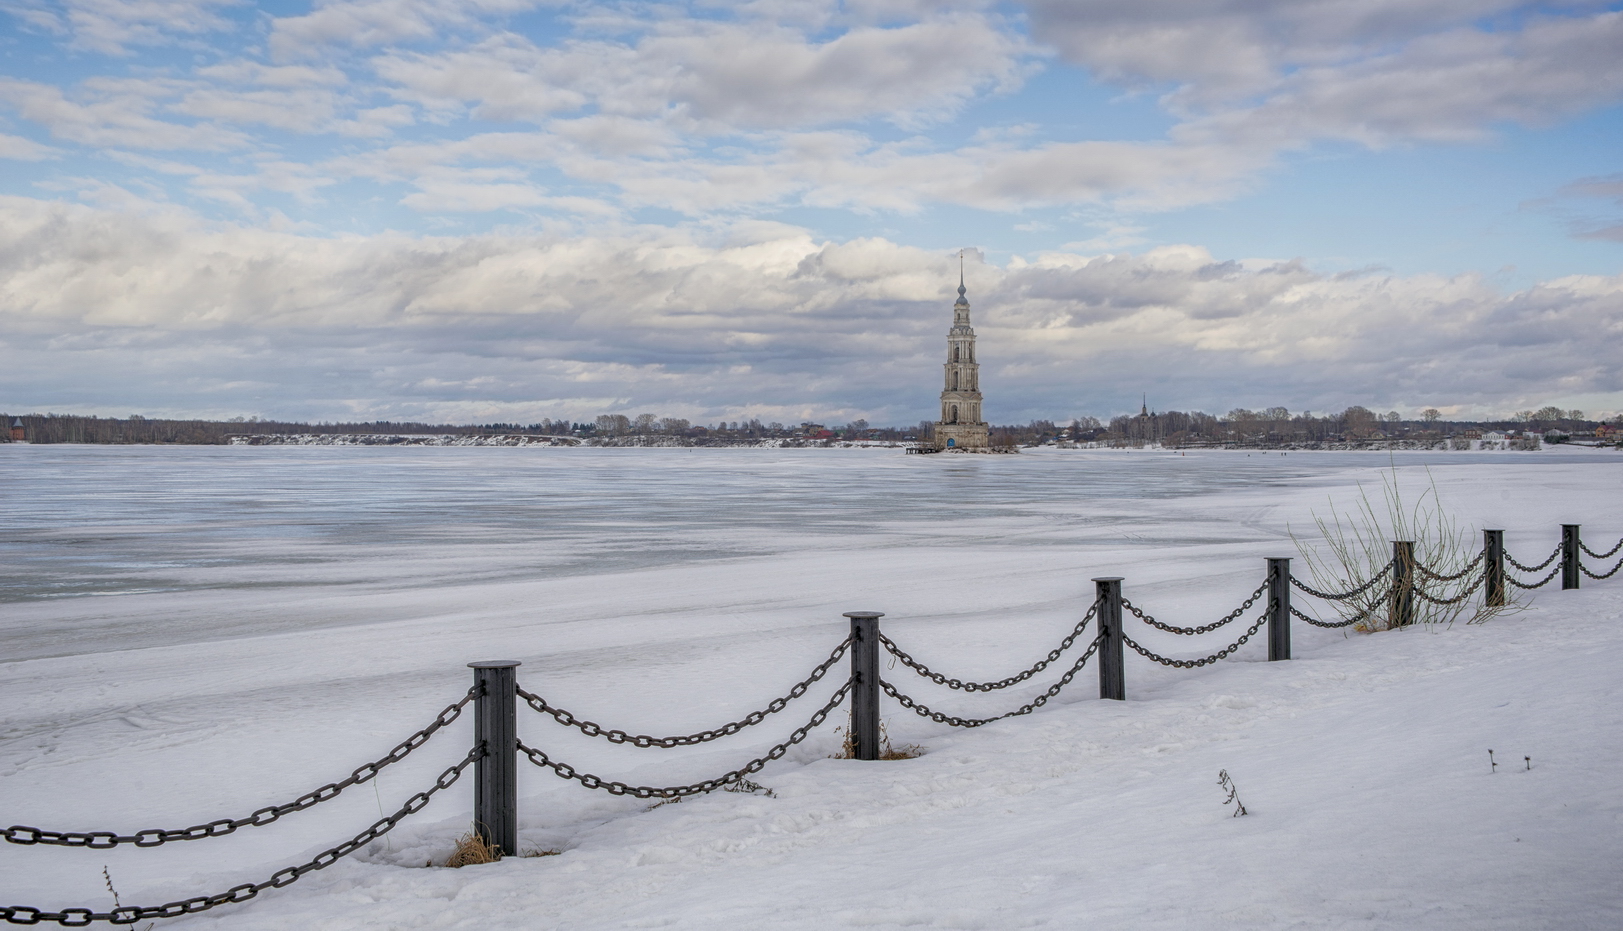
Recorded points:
(960, 426)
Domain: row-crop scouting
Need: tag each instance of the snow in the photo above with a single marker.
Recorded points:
(191, 633)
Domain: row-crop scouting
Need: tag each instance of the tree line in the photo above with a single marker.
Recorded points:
(1269, 425)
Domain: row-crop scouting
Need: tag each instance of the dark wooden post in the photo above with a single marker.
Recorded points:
(1112, 671)
(1279, 616)
(1401, 601)
(865, 683)
(495, 775)
(1493, 568)
(1569, 556)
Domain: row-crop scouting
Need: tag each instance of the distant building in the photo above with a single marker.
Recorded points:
(961, 426)
(17, 433)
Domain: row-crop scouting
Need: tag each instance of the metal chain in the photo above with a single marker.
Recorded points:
(1195, 663)
(1344, 596)
(1538, 568)
(1606, 555)
(924, 711)
(644, 741)
(1539, 584)
(565, 771)
(1449, 578)
(1333, 624)
(155, 837)
(1585, 570)
(130, 914)
(1019, 677)
(1421, 593)
(1203, 629)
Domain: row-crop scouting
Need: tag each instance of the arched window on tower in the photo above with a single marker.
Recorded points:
(955, 381)
(955, 353)
(954, 414)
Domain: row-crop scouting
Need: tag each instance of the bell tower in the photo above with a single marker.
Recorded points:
(960, 426)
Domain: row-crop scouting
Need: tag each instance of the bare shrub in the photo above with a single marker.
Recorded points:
(472, 849)
(887, 751)
(1352, 547)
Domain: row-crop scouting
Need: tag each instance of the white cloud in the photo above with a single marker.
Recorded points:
(723, 77)
(111, 26)
(24, 150)
(113, 114)
(1455, 86)
(381, 22)
(682, 321)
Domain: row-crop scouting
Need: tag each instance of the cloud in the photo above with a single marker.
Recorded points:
(380, 22)
(24, 150)
(112, 114)
(111, 26)
(719, 78)
(1451, 87)
(703, 325)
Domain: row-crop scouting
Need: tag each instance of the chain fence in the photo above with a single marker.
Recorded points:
(1364, 615)
(1605, 575)
(924, 711)
(1203, 629)
(1428, 572)
(1023, 675)
(1380, 574)
(1606, 555)
(155, 837)
(1196, 663)
(644, 741)
(1539, 584)
(565, 771)
(1538, 568)
(1423, 595)
(130, 914)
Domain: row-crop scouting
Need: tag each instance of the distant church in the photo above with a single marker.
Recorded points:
(961, 426)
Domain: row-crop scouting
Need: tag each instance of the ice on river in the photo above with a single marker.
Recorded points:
(192, 633)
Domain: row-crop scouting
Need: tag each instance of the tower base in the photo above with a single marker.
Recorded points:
(965, 436)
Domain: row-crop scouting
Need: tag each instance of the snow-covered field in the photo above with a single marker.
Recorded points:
(192, 633)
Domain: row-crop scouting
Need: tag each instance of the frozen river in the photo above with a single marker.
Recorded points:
(192, 632)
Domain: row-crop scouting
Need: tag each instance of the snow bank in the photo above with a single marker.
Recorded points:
(1363, 761)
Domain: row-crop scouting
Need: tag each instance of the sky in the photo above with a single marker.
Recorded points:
(507, 210)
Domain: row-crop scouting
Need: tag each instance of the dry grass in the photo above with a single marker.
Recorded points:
(472, 849)
(887, 751)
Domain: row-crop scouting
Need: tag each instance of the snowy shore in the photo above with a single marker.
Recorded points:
(260, 626)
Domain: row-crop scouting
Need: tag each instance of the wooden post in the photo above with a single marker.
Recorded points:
(1493, 568)
(865, 683)
(495, 775)
(1112, 671)
(1401, 601)
(1569, 556)
(1279, 616)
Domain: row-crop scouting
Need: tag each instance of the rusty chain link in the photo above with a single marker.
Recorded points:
(1606, 555)
(1344, 596)
(1585, 569)
(1196, 663)
(592, 729)
(1538, 568)
(1204, 628)
(565, 771)
(924, 711)
(1439, 577)
(1539, 584)
(155, 837)
(130, 914)
(1023, 675)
